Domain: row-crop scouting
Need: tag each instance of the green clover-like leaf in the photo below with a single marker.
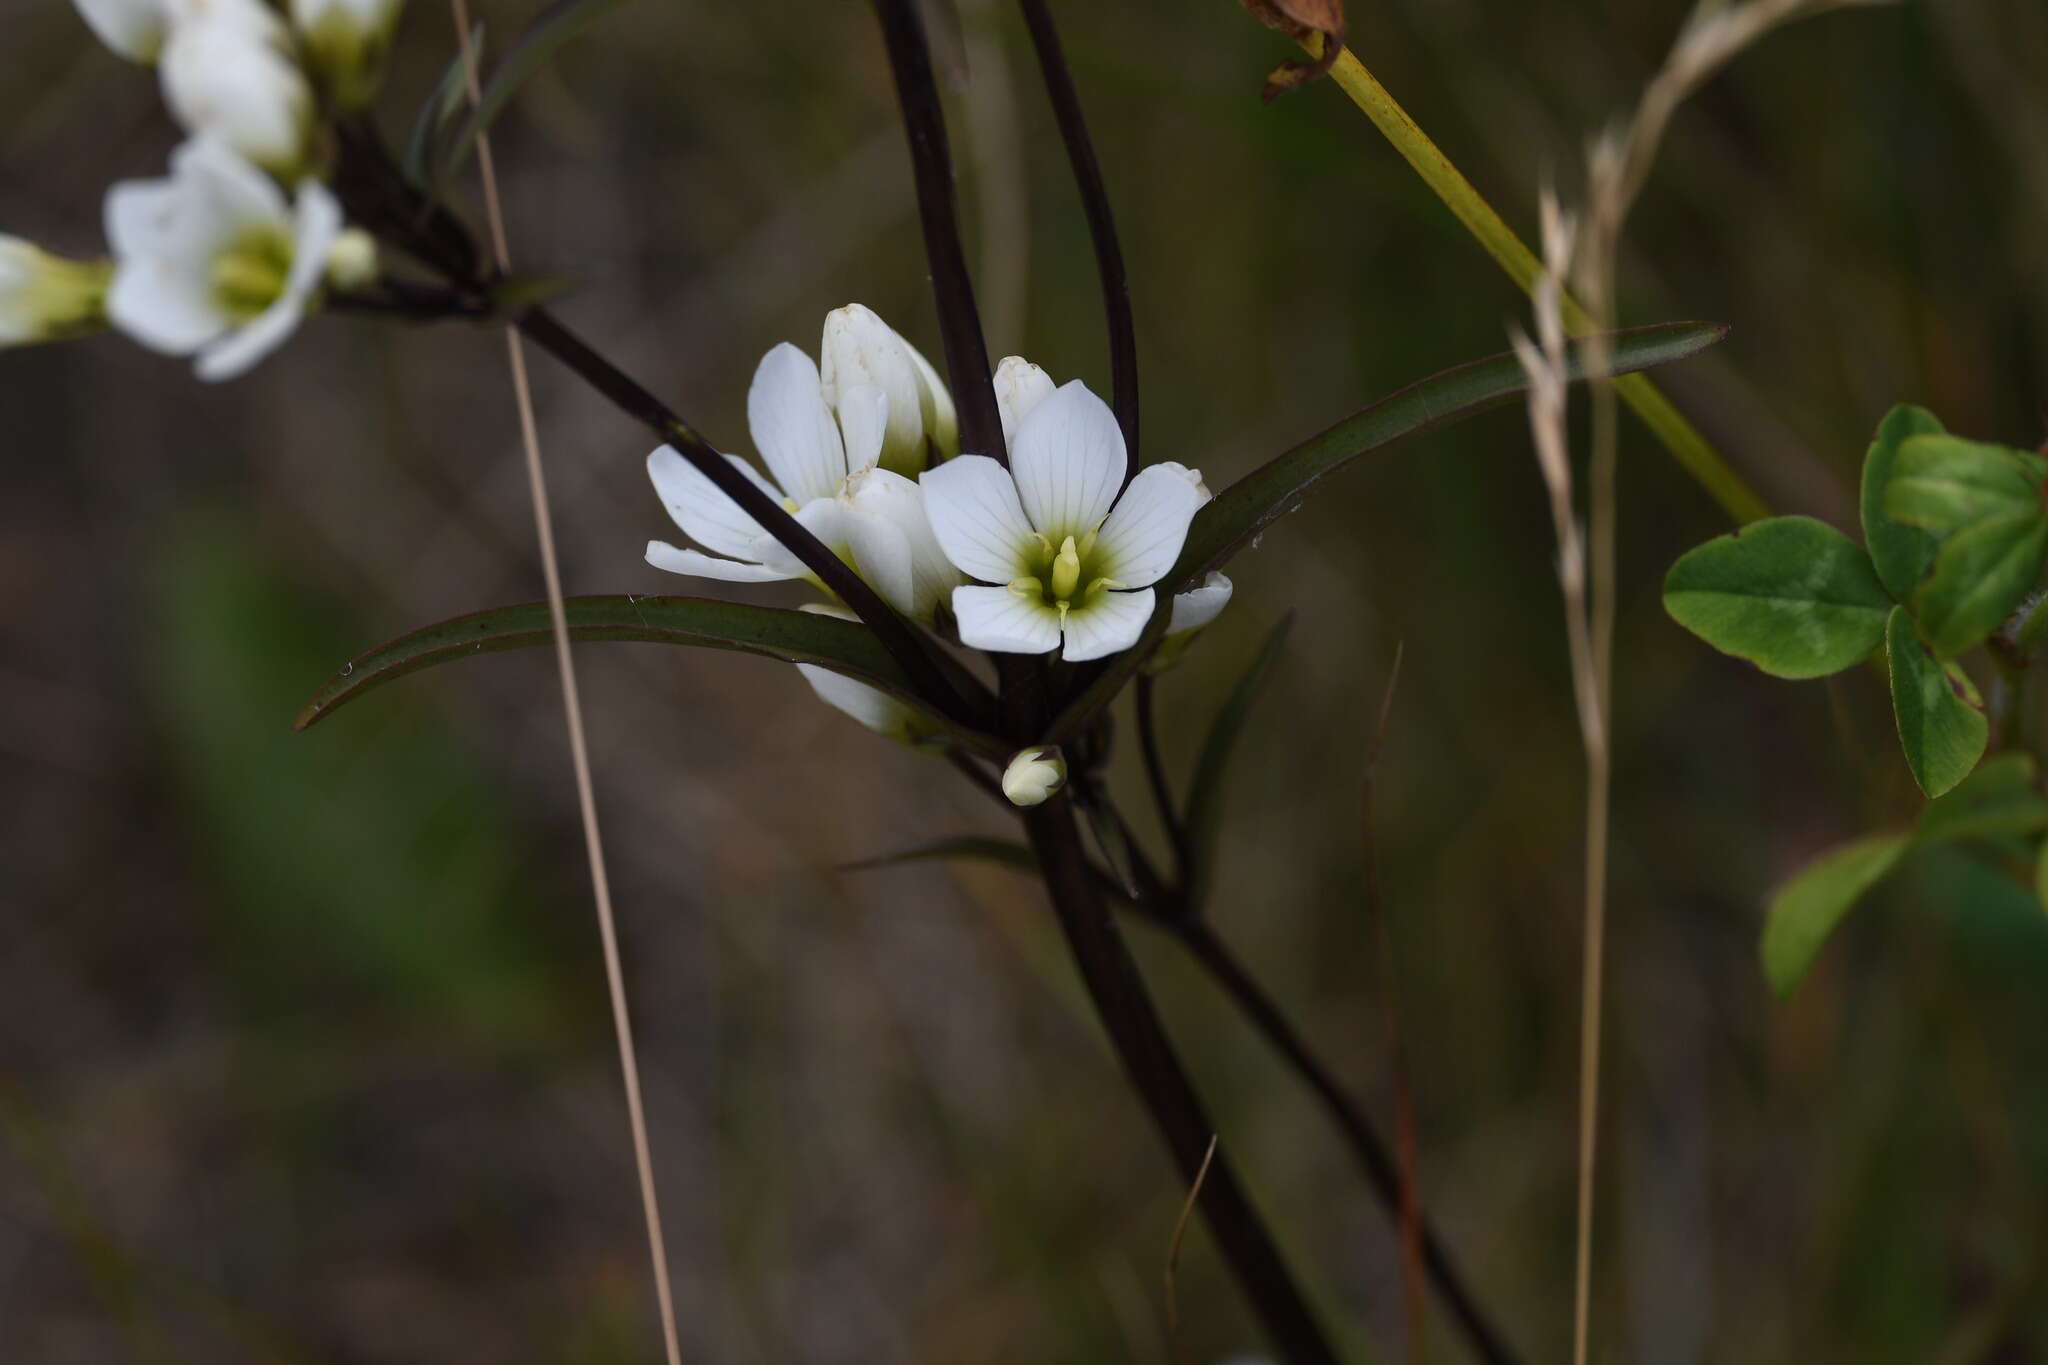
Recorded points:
(1899, 553)
(1941, 719)
(1980, 577)
(1792, 595)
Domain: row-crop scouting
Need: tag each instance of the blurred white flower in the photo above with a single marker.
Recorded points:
(1034, 775)
(1074, 559)
(133, 28)
(860, 350)
(345, 43)
(213, 260)
(825, 473)
(352, 261)
(45, 297)
(228, 72)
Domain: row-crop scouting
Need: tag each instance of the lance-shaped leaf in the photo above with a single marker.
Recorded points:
(1945, 483)
(1204, 817)
(1941, 719)
(1980, 577)
(430, 125)
(1792, 595)
(793, 636)
(1228, 522)
(1806, 909)
(1900, 553)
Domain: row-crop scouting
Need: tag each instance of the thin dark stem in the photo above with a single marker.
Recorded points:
(1109, 257)
(974, 396)
(1155, 774)
(1367, 1145)
(1148, 1058)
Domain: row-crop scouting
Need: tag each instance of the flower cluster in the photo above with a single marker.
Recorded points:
(223, 258)
(1056, 552)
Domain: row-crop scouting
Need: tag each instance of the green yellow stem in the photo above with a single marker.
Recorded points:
(1679, 436)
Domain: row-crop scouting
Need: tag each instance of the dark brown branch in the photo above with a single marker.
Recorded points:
(1154, 1070)
(1366, 1144)
(1109, 256)
(967, 368)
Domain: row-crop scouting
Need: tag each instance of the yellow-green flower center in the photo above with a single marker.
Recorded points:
(1062, 572)
(250, 275)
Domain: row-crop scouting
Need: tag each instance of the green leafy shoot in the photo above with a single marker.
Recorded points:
(1792, 595)
(1900, 553)
(1945, 483)
(1205, 793)
(550, 31)
(1980, 577)
(1941, 720)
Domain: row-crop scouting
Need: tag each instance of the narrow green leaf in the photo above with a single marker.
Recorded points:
(1792, 595)
(1205, 792)
(1944, 483)
(1980, 577)
(1230, 521)
(1941, 718)
(960, 848)
(2001, 798)
(421, 163)
(543, 38)
(793, 636)
(1806, 909)
(1900, 554)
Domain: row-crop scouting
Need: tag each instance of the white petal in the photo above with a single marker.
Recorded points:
(792, 427)
(663, 555)
(974, 511)
(1069, 462)
(1020, 387)
(863, 422)
(875, 709)
(825, 519)
(998, 619)
(881, 556)
(237, 352)
(941, 422)
(1143, 535)
(164, 307)
(226, 192)
(229, 81)
(318, 223)
(703, 511)
(133, 28)
(1111, 622)
(887, 506)
(860, 349)
(1198, 606)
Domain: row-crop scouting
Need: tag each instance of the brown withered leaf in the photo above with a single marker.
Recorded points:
(1299, 19)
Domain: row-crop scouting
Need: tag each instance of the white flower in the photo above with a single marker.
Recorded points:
(133, 28)
(1033, 776)
(345, 42)
(1070, 563)
(861, 350)
(1020, 387)
(45, 297)
(870, 706)
(228, 73)
(1198, 606)
(213, 261)
(824, 472)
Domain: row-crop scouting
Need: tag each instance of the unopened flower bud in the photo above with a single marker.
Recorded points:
(228, 74)
(1020, 386)
(352, 262)
(860, 349)
(48, 298)
(345, 43)
(1034, 775)
(133, 28)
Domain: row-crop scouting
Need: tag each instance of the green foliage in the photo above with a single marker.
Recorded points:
(1944, 483)
(1900, 554)
(1205, 792)
(421, 164)
(1980, 577)
(1942, 725)
(1792, 595)
(550, 31)
(2000, 801)
(1806, 909)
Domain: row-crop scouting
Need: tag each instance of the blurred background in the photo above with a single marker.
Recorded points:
(304, 1051)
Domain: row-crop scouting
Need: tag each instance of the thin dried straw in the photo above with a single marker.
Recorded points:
(572, 710)
(1180, 1227)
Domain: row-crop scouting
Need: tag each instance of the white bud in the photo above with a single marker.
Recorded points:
(133, 28)
(346, 42)
(1020, 387)
(859, 349)
(48, 298)
(226, 74)
(352, 261)
(1034, 775)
